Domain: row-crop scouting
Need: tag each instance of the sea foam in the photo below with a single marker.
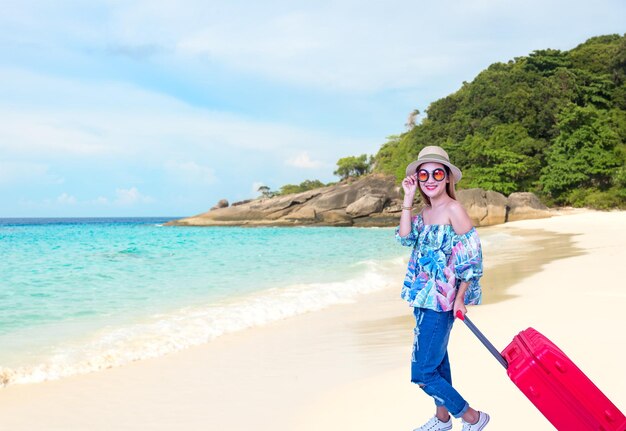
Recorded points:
(191, 326)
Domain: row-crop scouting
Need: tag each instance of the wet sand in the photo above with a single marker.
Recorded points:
(505, 270)
(347, 367)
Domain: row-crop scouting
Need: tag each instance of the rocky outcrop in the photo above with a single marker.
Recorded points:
(374, 200)
(222, 203)
(484, 207)
(524, 205)
(366, 205)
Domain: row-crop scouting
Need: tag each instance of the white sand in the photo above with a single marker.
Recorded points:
(578, 302)
(347, 367)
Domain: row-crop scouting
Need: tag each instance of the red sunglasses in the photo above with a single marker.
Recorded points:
(438, 175)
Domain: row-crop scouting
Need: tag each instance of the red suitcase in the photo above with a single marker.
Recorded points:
(554, 384)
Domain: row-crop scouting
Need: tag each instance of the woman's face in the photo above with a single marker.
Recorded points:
(432, 178)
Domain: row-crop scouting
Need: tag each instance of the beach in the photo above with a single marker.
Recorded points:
(347, 366)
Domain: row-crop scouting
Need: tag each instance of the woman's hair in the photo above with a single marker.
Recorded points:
(449, 187)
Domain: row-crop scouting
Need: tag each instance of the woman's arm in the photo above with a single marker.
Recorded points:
(409, 184)
(462, 224)
(459, 299)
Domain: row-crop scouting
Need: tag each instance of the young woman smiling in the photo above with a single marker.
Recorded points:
(442, 278)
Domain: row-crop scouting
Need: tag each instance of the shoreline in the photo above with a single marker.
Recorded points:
(344, 366)
(259, 308)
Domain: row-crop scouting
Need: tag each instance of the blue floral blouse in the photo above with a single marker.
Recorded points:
(439, 262)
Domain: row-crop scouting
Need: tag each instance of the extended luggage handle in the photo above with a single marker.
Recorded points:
(483, 339)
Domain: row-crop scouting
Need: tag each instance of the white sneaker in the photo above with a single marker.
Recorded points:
(434, 424)
(483, 419)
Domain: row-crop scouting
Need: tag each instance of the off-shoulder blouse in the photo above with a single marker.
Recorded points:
(440, 260)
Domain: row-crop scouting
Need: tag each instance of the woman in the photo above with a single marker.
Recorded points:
(443, 276)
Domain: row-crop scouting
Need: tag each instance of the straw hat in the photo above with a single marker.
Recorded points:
(435, 154)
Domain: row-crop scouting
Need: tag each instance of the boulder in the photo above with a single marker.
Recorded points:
(340, 197)
(484, 207)
(279, 203)
(524, 206)
(377, 220)
(366, 205)
(222, 203)
(336, 218)
(238, 213)
(303, 214)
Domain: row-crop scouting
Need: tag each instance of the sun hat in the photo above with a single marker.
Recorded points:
(436, 154)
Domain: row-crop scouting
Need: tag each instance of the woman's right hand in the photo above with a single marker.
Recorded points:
(409, 184)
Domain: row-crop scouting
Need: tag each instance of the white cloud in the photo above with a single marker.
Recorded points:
(123, 197)
(255, 188)
(131, 196)
(65, 199)
(343, 44)
(312, 47)
(135, 135)
(303, 160)
(369, 47)
(108, 120)
(138, 88)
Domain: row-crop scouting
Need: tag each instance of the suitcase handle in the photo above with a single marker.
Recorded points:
(483, 339)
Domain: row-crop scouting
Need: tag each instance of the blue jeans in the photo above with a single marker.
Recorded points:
(430, 367)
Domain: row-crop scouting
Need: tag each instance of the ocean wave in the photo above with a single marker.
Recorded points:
(192, 326)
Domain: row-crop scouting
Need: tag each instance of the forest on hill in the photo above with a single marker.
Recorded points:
(552, 123)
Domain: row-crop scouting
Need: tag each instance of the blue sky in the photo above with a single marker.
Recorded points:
(122, 108)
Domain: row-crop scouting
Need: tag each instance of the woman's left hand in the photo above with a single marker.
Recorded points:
(459, 306)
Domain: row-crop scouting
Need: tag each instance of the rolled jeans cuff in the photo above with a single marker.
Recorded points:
(462, 412)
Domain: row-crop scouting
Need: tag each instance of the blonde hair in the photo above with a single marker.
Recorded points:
(449, 187)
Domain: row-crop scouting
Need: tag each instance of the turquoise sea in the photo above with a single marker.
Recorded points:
(78, 295)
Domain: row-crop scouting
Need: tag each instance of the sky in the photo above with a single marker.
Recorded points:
(162, 108)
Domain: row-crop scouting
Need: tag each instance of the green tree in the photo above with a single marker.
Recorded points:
(547, 61)
(353, 166)
(505, 162)
(552, 122)
(504, 128)
(302, 187)
(586, 155)
(289, 189)
(597, 54)
(266, 192)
